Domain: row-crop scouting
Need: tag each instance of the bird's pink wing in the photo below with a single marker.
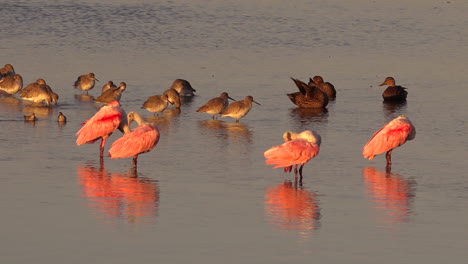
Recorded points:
(392, 135)
(290, 153)
(142, 139)
(103, 123)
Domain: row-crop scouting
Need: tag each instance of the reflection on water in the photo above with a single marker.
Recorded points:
(119, 196)
(289, 207)
(163, 121)
(307, 116)
(237, 131)
(84, 98)
(391, 194)
(39, 111)
(394, 109)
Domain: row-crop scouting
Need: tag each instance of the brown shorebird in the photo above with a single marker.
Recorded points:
(39, 92)
(239, 109)
(11, 84)
(173, 97)
(156, 103)
(216, 105)
(85, 82)
(112, 94)
(183, 87)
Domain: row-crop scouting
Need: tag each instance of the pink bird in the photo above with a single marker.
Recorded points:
(100, 126)
(142, 139)
(394, 134)
(298, 149)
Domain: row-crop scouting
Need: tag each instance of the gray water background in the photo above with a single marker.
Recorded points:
(204, 194)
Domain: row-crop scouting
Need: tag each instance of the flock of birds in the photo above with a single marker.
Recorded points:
(296, 151)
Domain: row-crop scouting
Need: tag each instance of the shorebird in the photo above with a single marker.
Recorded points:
(239, 109)
(112, 94)
(216, 105)
(7, 70)
(107, 86)
(85, 82)
(11, 84)
(38, 92)
(183, 87)
(156, 103)
(173, 97)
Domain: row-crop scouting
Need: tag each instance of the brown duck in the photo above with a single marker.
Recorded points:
(393, 93)
(308, 96)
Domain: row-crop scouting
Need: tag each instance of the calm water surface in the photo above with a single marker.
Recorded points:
(204, 194)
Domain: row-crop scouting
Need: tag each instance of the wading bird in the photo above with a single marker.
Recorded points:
(216, 105)
(85, 82)
(11, 84)
(183, 87)
(392, 135)
(156, 103)
(239, 109)
(140, 140)
(298, 149)
(100, 126)
(393, 93)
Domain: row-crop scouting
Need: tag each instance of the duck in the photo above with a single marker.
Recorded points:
(7, 70)
(30, 118)
(239, 109)
(326, 87)
(11, 84)
(156, 103)
(393, 93)
(308, 96)
(85, 82)
(215, 106)
(112, 94)
(183, 87)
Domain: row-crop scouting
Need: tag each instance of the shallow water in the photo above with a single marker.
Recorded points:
(204, 194)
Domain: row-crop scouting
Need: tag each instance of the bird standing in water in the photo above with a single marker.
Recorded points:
(156, 103)
(392, 135)
(308, 96)
(173, 97)
(393, 93)
(112, 94)
(85, 82)
(140, 140)
(216, 105)
(239, 109)
(297, 149)
(100, 126)
(38, 92)
(183, 87)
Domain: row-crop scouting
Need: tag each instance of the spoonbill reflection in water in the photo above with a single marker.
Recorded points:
(298, 149)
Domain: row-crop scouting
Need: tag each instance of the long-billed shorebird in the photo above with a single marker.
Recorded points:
(38, 92)
(156, 103)
(173, 97)
(239, 109)
(216, 105)
(11, 84)
(85, 82)
(183, 87)
(112, 94)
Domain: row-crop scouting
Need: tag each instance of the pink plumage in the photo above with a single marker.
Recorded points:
(297, 150)
(101, 125)
(140, 140)
(392, 135)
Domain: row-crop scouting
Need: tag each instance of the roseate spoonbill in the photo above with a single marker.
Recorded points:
(30, 118)
(38, 92)
(173, 97)
(61, 118)
(216, 105)
(140, 140)
(85, 82)
(298, 149)
(325, 87)
(11, 84)
(393, 93)
(7, 70)
(239, 109)
(156, 103)
(394, 134)
(107, 86)
(308, 96)
(100, 126)
(112, 94)
(183, 87)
